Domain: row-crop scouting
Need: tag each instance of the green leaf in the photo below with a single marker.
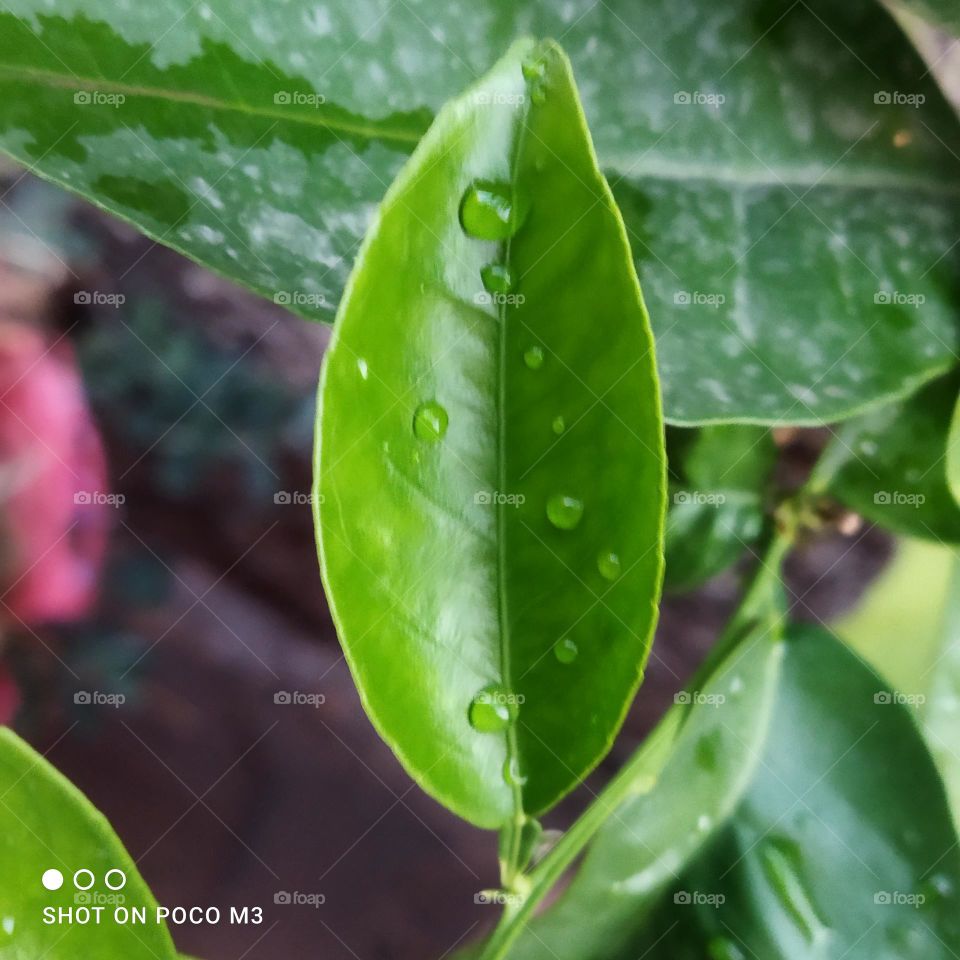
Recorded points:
(890, 464)
(47, 824)
(765, 226)
(953, 454)
(716, 733)
(718, 480)
(477, 540)
(842, 847)
(941, 712)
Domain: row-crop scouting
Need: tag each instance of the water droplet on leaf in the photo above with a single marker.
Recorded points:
(558, 425)
(430, 421)
(512, 774)
(565, 650)
(496, 278)
(533, 357)
(609, 565)
(564, 512)
(492, 709)
(488, 211)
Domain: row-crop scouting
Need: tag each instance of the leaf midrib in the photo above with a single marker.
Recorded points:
(71, 82)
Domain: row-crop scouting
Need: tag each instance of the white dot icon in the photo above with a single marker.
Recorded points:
(52, 879)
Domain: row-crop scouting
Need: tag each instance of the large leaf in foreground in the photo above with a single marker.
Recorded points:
(842, 847)
(722, 724)
(257, 137)
(478, 541)
(47, 824)
(891, 464)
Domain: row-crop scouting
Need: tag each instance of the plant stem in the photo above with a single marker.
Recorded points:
(638, 775)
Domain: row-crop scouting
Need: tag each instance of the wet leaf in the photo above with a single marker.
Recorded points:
(493, 573)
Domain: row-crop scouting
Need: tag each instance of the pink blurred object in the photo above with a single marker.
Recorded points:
(53, 521)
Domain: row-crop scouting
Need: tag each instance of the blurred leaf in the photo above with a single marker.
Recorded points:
(477, 540)
(715, 736)
(943, 13)
(47, 824)
(769, 207)
(942, 709)
(842, 847)
(891, 464)
(718, 479)
(953, 454)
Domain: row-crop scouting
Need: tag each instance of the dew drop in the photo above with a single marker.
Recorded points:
(496, 278)
(704, 823)
(430, 421)
(533, 357)
(565, 650)
(782, 863)
(608, 563)
(564, 512)
(723, 948)
(492, 709)
(363, 369)
(8, 924)
(558, 425)
(512, 774)
(533, 68)
(488, 211)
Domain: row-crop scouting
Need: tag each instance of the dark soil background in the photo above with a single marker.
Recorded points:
(212, 604)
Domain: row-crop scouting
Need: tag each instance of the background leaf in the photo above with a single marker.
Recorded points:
(893, 464)
(258, 139)
(477, 538)
(46, 823)
(718, 480)
(842, 847)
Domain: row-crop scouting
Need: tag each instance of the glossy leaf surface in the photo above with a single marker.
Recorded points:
(493, 570)
(718, 480)
(795, 236)
(894, 464)
(47, 824)
(721, 727)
